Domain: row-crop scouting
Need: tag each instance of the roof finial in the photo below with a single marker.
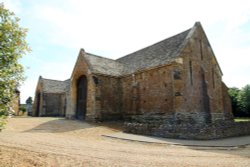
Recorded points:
(197, 23)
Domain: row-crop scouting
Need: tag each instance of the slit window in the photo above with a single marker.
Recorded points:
(96, 81)
(201, 50)
(191, 72)
(213, 78)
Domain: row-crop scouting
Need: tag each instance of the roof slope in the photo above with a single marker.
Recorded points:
(104, 65)
(157, 54)
(54, 86)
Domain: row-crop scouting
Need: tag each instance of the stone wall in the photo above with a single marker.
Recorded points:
(200, 107)
(198, 94)
(108, 97)
(103, 94)
(36, 107)
(170, 126)
(197, 82)
(191, 85)
(149, 91)
(81, 68)
(227, 104)
(53, 104)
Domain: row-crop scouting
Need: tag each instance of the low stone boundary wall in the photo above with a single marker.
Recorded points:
(162, 127)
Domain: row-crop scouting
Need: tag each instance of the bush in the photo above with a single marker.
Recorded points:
(240, 101)
(2, 121)
(23, 109)
(3, 116)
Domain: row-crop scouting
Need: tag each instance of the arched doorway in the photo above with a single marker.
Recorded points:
(81, 97)
(38, 104)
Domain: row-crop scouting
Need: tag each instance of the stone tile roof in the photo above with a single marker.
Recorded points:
(67, 85)
(104, 65)
(54, 86)
(157, 54)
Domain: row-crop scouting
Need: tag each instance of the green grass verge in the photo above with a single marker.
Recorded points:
(241, 119)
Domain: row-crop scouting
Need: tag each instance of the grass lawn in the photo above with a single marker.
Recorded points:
(241, 119)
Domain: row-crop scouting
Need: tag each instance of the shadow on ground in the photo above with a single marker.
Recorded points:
(59, 125)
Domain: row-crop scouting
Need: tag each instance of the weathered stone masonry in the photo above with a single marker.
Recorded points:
(171, 127)
(50, 99)
(167, 89)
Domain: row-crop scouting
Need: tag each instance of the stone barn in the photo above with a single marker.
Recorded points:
(50, 97)
(178, 79)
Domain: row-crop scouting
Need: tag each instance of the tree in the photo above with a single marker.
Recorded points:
(22, 108)
(233, 93)
(12, 47)
(240, 101)
(244, 100)
(29, 100)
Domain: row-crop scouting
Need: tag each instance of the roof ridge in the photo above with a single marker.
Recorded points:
(53, 80)
(66, 80)
(91, 54)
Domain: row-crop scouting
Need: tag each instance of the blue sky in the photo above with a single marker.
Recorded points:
(114, 28)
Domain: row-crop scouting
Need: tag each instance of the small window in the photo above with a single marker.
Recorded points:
(177, 74)
(96, 81)
(178, 94)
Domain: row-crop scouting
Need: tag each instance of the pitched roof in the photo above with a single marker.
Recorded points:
(104, 65)
(54, 86)
(157, 54)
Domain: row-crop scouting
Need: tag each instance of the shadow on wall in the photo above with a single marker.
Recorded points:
(63, 125)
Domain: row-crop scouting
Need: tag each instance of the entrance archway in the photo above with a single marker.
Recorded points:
(81, 98)
(38, 104)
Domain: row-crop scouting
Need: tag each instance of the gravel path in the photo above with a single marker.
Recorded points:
(59, 142)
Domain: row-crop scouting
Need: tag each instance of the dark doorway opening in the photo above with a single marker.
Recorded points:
(81, 98)
(38, 104)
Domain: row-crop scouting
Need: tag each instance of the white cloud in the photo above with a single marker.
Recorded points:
(129, 25)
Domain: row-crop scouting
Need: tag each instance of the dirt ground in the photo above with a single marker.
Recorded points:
(56, 142)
